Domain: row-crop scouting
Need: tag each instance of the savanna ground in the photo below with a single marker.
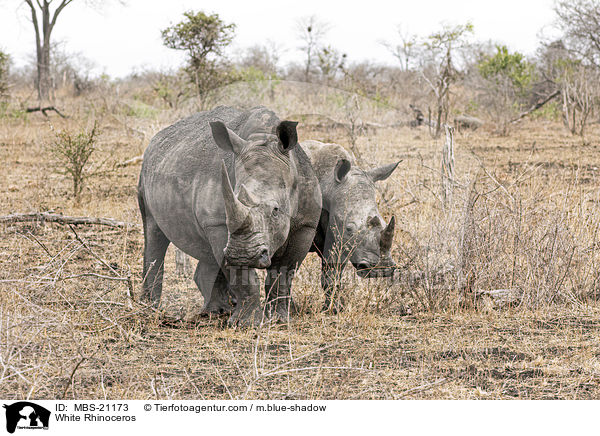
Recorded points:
(523, 216)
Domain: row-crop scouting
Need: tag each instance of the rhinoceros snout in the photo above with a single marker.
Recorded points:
(261, 258)
(264, 261)
(384, 268)
(363, 266)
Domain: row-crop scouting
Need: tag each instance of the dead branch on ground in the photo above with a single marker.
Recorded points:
(64, 219)
(44, 109)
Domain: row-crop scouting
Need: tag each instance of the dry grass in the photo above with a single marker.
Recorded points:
(68, 328)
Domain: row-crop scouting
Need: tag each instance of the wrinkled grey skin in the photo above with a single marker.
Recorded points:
(234, 190)
(350, 228)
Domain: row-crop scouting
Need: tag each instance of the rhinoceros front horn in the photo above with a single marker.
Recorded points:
(387, 236)
(237, 213)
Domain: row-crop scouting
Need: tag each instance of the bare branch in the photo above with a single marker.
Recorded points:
(35, 23)
(535, 107)
(57, 12)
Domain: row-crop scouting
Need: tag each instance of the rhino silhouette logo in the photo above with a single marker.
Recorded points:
(27, 415)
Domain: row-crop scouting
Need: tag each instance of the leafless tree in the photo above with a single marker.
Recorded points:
(405, 49)
(44, 14)
(580, 22)
(264, 58)
(330, 62)
(579, 92)
(439, 70)
(577, 81)
(311, 32)
(43, 26)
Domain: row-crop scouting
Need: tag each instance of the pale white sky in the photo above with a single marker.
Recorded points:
(120, 38)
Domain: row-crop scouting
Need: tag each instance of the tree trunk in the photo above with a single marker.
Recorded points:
(44, 61)
(448, 165)
(42, 42)
(43, 84)
(565, 104)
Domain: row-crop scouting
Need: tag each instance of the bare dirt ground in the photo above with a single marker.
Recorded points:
(69, 330)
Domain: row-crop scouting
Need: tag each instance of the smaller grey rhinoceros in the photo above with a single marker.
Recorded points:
(350, 227)
(234, 190)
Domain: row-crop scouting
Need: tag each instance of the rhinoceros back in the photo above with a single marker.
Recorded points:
(184, 145)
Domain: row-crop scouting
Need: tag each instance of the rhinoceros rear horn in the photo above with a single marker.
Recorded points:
(287, 134)
(382, 173)
(387, 236)
(226, 138)
(237, 214)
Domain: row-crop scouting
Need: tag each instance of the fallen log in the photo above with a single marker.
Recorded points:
(63, 219)
(44, 109)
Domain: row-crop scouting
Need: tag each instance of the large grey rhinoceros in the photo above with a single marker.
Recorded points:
(234, 190)
(350, 227)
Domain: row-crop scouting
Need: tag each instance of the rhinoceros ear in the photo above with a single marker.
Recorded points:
(287, 134)
(382, 173)
(226, 138)
(342, 167)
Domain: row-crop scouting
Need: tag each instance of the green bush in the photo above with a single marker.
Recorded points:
(140, 109)
(73, 152)
(511, 66)
(508, 78)
(4, 63)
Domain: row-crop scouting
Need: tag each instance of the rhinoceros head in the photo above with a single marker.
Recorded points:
(259, 207)
(360, 231)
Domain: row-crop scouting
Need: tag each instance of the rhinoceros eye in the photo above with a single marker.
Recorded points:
(275, 212)
(374, 222)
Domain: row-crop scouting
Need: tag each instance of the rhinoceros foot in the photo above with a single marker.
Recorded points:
(283, 309)
(222, 308)
(247, 315)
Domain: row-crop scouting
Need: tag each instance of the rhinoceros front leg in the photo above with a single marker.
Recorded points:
(155, 247)
(213, 285)
(278, 283)
(210, 278)
(244, 285)
(331, 278)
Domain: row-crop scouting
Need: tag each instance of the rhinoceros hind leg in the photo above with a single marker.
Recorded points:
(155, 247)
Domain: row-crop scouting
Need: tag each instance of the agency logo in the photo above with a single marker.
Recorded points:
(26, 415)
